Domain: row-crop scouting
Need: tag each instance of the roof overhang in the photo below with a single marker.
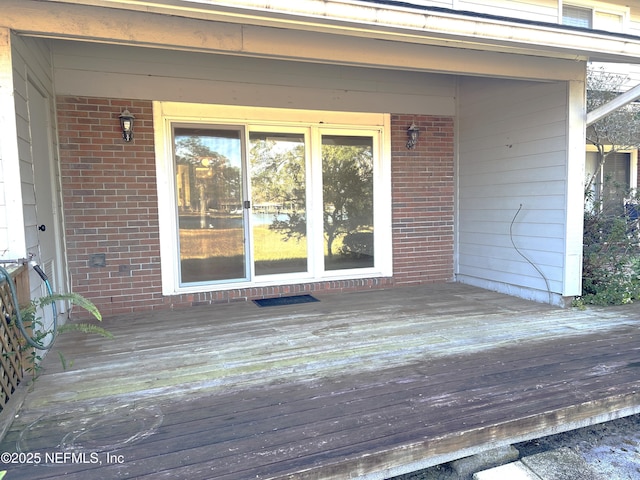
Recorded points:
(396, 22)
(338, 32)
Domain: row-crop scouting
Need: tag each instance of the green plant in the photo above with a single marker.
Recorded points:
(33, 322)
(611, 266)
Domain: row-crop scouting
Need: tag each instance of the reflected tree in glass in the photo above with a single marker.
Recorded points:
(209, 201)
(278, 183)
(347, 179)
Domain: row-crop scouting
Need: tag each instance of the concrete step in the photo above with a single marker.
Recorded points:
(560, 464)
(465, 467)
(510, 471)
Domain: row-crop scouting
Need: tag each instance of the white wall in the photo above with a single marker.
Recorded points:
(538, 11)
(513, 154)
(22, 55)
(29, 62)
(32, 68)
(532, 10)
(549, 10)
(12, 241)
(152, 74)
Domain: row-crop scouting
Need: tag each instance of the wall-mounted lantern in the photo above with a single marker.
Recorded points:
(126, 123)
(412, 132)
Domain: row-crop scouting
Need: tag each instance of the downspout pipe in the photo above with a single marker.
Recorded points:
(618, 102)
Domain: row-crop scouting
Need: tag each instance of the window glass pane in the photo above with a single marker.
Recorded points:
(279, 213)
(576, 16)
(208, 166)
(347, 176)
(616, 182)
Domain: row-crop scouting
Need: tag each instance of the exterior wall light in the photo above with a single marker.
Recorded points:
(412, 132)
(126, 123)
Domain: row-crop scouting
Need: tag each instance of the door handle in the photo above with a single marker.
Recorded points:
(42, 228)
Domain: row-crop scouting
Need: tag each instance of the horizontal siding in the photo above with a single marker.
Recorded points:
(483, 245)
(533, 165)
(32, 70)
(541, 152)
(18, 229)
(511, 186)
(20, 62)
(629, 71)
(540, 11)
(11, 239)
(434, 3)
(148, 74)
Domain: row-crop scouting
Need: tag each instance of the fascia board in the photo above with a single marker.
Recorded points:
(393, 23)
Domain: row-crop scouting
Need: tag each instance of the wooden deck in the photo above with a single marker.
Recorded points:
(360, 385)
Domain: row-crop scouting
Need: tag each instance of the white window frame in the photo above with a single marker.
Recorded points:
(377, 124)
(596, 8)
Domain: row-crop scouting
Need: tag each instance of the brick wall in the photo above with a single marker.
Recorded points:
(111, 212)
(110, 203)
(422, 195)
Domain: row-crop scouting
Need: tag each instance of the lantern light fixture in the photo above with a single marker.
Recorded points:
(126, 123)
(412, 132)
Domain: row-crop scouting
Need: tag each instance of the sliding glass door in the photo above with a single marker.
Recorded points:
(263, 203)
(210, 204)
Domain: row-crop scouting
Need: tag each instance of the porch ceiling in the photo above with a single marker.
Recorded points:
(372, 383)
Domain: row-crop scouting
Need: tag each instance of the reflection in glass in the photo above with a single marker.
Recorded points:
(279, 203)
(209, 202)
(347, 178)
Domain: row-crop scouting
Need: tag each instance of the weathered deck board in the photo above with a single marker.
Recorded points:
(353, 385)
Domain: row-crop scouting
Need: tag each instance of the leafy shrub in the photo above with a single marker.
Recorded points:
(41, 336)
(611, 266)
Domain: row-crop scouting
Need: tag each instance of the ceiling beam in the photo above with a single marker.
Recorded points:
(618, 102)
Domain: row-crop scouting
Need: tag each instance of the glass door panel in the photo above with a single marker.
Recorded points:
(278, 191)
(209, 199)
(347, 179)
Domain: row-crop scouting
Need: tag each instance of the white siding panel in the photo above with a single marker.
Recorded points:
(543, 153)
(495, 225)
(498, 214)
(512, 186)
(12, 242)
(535, 167)
(517, 192)
(103, 70)
(434, 3)
(499, 242)
(20, 63)
(541, 11)
(32, 71)
(629, 71)
(507, 263)
(527, 279)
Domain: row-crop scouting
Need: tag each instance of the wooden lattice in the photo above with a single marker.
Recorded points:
(11, 355)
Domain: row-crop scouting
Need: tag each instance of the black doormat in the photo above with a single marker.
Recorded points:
(278, 301)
